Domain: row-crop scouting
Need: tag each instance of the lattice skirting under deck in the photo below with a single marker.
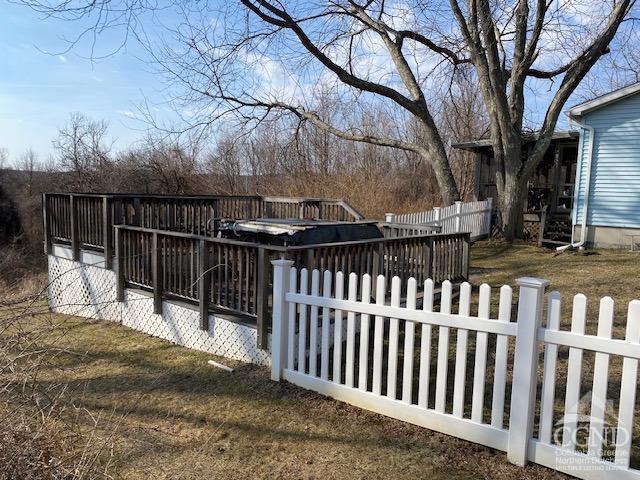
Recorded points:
(90, 291)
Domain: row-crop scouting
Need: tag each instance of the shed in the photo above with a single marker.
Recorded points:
(549, 200)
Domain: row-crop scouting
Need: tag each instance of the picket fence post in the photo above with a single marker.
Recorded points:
(525, 367)
(458, 224)
(389, 217)
(279, 322)
(436, 216)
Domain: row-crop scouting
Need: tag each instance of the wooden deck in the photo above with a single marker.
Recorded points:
(168, 245)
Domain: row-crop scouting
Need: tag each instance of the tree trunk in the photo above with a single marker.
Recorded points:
(511, 204)
(444, 177)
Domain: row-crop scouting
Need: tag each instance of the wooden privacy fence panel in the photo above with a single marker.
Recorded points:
(485, 383)
(450, 258)
(472, 217)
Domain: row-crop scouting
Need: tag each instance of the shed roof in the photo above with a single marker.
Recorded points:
(527, 138)
(603, 100)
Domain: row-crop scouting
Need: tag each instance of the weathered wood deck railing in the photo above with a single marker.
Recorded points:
(235, 277)
(391, 230)
(87, 220)
(167, 245)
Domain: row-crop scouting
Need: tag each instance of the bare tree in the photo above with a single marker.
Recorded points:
(463, 117)
(4, 161)
(29, 164)
(258, 58)
(226, 164)
(82, 149)
(511, 46)
(173, 165)
(4, 158)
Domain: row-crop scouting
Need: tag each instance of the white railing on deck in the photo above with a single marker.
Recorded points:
(350, 363)
(474, 217)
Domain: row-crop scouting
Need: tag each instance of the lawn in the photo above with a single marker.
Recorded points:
(595, 273)
(162, 412)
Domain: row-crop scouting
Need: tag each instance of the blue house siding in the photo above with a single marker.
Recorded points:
(614, 197)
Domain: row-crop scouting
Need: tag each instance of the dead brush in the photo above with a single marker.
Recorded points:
(22, 275)
(42, 433)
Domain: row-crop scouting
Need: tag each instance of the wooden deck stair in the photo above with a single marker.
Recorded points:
(557, 230)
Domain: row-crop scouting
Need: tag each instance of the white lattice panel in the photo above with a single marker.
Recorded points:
(82, 290)
(90, 291)
(180, 324)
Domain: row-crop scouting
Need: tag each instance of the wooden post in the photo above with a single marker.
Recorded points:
(107, 232)
(543, 221)
(310, 260)
(136, 211)
(458, 224)
(46, 226)
(119, 266)
(376, 263)
(204, 282)
(262, 296)
(156, 273)
(73, 216)
(281, 272)
(525, 367)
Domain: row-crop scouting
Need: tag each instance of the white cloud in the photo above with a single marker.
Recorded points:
(276, 78)
(127, 113)
(62, 58)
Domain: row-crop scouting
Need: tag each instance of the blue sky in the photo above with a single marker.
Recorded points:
(40, 86)
(39, 90)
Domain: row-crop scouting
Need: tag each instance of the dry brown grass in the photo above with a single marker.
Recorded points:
(184, 419)
(44, 434)
(595, 273)
(167, 414)
(22, 274)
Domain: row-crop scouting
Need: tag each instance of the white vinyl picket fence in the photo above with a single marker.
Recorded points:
(399, 359)
(473, 217)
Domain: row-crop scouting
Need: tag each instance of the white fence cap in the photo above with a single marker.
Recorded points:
(532, 282)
